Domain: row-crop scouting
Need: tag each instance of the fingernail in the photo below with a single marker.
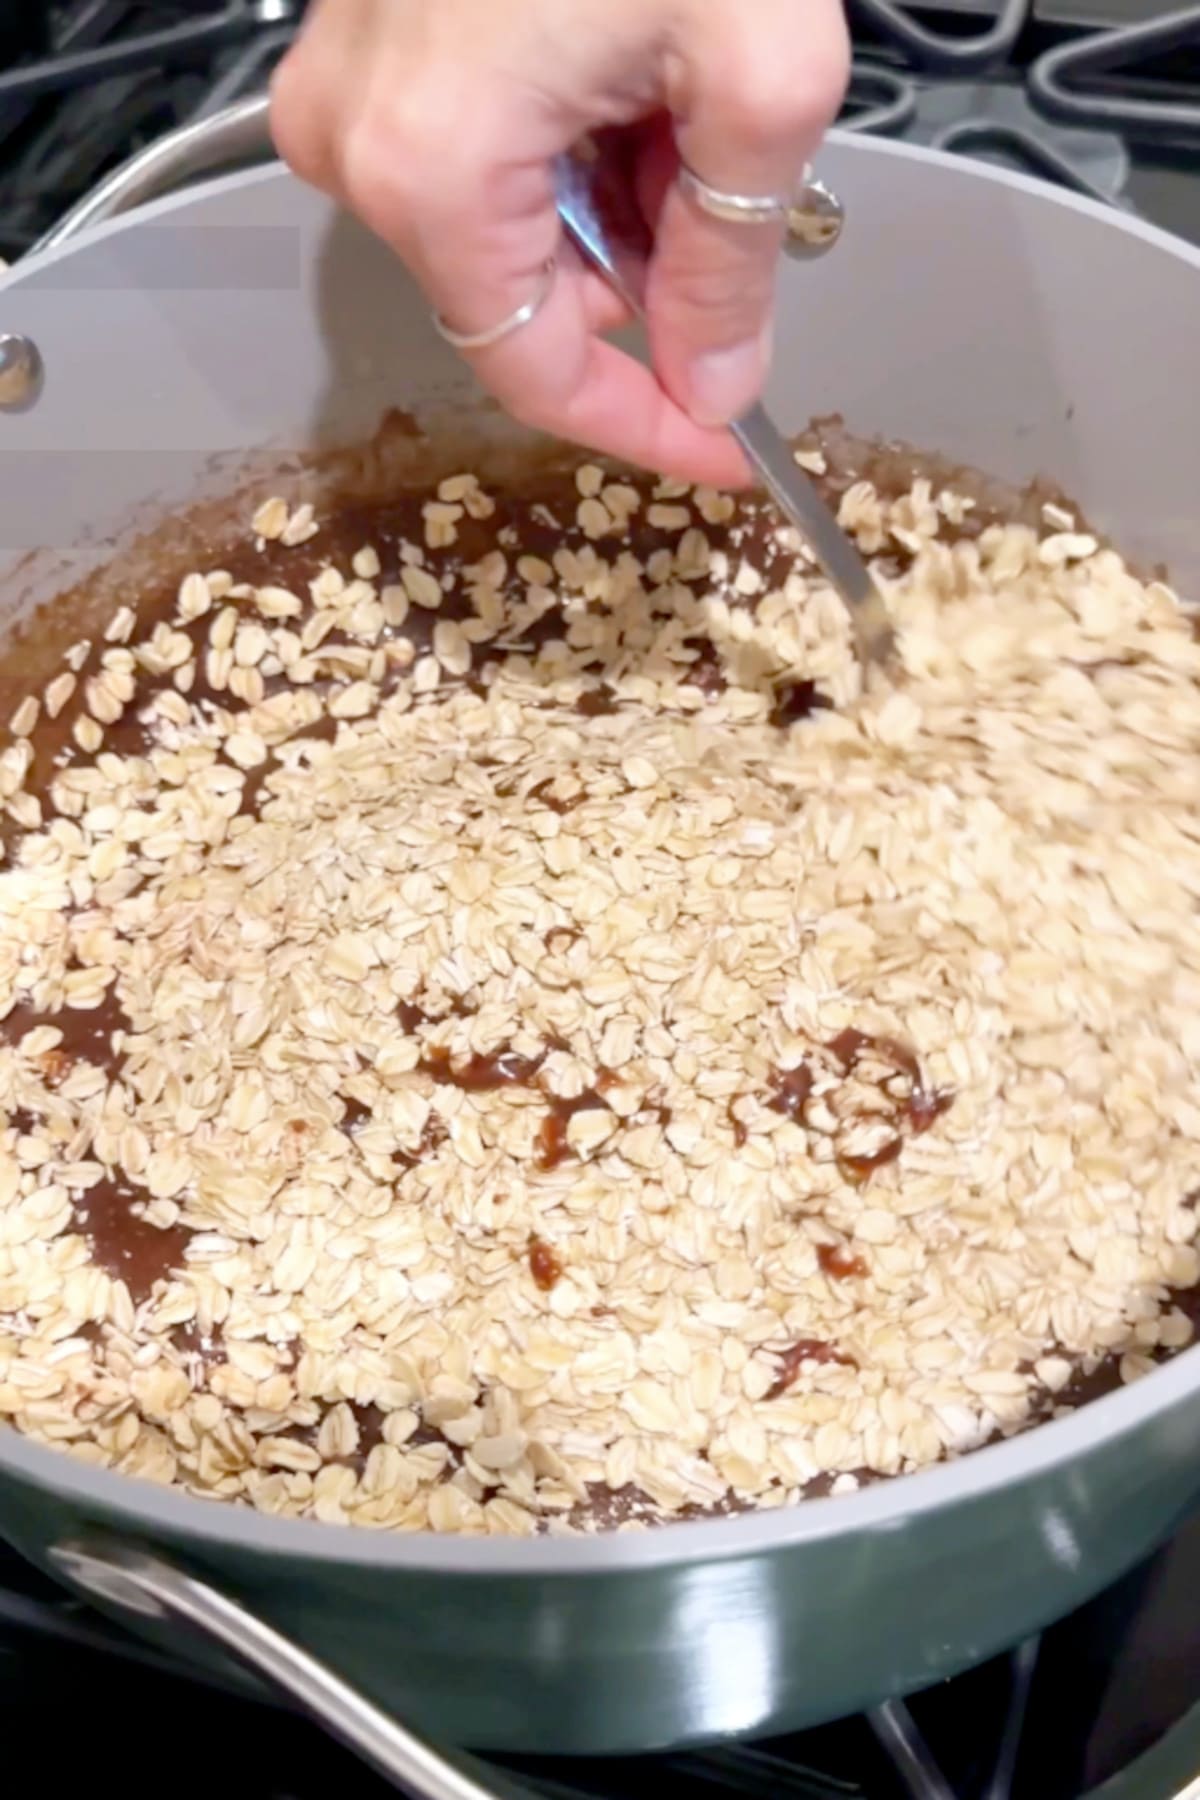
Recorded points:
(723, 384)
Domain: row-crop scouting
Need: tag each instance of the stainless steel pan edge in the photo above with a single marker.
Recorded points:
(1073, 327)
(237, 135)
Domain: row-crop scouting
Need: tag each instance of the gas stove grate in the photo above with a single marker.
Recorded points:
(1056, 90)
(85, 82)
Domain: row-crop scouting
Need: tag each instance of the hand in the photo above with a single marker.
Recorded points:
(437, 121)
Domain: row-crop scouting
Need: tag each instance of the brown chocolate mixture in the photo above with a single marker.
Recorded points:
(536, 519)
(538, 510)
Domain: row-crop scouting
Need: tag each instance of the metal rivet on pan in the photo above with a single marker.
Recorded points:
(815, 220)
(21, 372)
(106, 1580)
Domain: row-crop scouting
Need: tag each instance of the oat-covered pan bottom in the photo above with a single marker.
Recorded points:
(501, 1034)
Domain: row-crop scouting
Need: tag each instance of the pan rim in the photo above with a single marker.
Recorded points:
(1040, 1452)
(840, 140)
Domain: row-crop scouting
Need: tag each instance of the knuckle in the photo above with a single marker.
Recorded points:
(372, 174)
(779, 112)
(292, 118)
(378, 166)
(719, 300)
(402, 161)
(781, 100)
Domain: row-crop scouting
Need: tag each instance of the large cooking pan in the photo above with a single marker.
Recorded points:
(970, 311)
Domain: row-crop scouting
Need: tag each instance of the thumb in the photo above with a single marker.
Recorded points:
(760, 94)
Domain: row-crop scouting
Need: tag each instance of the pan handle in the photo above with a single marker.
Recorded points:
(237, 134)
(138, 1582)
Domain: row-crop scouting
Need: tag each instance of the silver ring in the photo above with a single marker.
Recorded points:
(483, 340)
(812, 216)
(734, 209)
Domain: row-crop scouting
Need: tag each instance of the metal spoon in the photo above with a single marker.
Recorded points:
(606, 227)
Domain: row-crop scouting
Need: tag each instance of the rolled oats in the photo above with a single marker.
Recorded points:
(581, 1062)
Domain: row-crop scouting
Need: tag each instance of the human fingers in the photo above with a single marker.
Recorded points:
(762, 80)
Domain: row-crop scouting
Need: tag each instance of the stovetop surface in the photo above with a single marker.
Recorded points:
(1099, 1707)
(85, 82)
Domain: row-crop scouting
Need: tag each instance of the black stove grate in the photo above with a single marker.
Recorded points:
(1086, 92)
(99, 79)
(1136, 78)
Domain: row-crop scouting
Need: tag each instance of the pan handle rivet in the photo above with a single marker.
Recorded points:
(103, 1577)
(21, 372)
